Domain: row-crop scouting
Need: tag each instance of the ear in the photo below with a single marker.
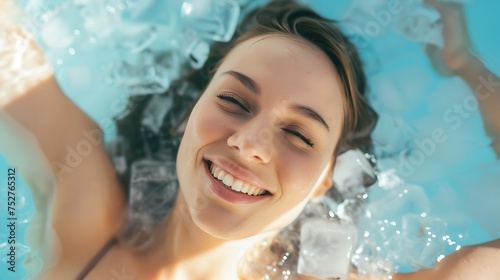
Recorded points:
(325, 184)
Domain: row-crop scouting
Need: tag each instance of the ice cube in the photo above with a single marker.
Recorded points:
(133, 38)
(422, 240)
(155, 112)
(389, 179)
(365, 256)
(351, 208)
(420, 22)
(152, 181)
(353, 173)
(142, 79)
(214, 19)
(391, 135)
(195, 49)
(404, 199)
(325, 248)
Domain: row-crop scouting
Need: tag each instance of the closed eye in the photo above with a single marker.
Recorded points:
(228, 98)
(300, 136)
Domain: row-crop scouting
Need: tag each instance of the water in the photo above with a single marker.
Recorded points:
(431, 198)
(24, 215)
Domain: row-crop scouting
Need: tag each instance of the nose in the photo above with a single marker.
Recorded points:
(252, 141)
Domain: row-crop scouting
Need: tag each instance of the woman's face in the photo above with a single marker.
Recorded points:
(271, 117)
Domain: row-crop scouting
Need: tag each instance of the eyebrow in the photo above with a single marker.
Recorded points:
(251, 85)
(310, 113)
(248, 82)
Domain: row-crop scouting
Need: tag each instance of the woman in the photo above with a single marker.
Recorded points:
(294, 81)
(279, 106)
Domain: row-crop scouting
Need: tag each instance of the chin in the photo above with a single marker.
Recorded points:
(218, 226)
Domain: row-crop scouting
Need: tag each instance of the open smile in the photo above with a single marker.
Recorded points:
(232, 189)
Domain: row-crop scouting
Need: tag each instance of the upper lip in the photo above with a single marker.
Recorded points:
(238, 172)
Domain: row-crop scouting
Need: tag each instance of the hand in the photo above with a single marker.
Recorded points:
(457, 50)
(22, 62)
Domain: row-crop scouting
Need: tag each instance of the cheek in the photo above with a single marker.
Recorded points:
(300, 177)
(204, 126)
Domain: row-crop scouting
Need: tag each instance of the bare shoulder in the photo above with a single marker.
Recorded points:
(86, 212)
(472, 262)
(88, 202)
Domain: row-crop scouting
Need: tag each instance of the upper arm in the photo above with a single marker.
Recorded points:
(58, 150)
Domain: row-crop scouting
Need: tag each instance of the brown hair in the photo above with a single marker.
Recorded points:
(290, 18)
(284, 17)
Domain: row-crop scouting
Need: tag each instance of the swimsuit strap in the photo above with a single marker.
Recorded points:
(97, 258)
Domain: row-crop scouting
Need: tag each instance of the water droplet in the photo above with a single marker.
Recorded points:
(76, 32)
(59, 61)
(71, 51)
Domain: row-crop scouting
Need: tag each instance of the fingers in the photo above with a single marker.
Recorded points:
(435, 4)
(445, 7)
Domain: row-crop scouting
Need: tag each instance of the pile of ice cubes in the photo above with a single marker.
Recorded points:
(151, 42)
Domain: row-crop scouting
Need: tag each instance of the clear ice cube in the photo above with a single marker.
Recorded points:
(155, 112)
(148, 78)
(213, 19)
(422, 240)
(194, 48)
(153, 187)
(353, 173)
(420, 22)
(325, 248)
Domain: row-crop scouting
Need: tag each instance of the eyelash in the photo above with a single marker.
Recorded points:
(228, 98)
(302, 137)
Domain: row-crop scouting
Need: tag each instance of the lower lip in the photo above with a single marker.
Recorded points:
(229, 195)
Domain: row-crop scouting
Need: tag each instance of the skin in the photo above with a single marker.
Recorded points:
(87, 203)
(217, 127)
(211, 130)
(458, 60)
(96, 205)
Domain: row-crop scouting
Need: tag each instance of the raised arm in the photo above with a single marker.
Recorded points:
(57, 149)
(457, 59)
(32, 105)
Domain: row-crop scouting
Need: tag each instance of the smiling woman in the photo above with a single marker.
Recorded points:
(222, 131)
(248, 141)
(276, 105)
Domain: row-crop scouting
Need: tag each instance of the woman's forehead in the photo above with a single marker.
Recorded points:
(290, 70)
(282, 58)
(275, 47)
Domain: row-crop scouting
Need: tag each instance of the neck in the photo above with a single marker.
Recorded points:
(186, 246)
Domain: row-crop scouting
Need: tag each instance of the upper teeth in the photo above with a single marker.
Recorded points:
(235, 184)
